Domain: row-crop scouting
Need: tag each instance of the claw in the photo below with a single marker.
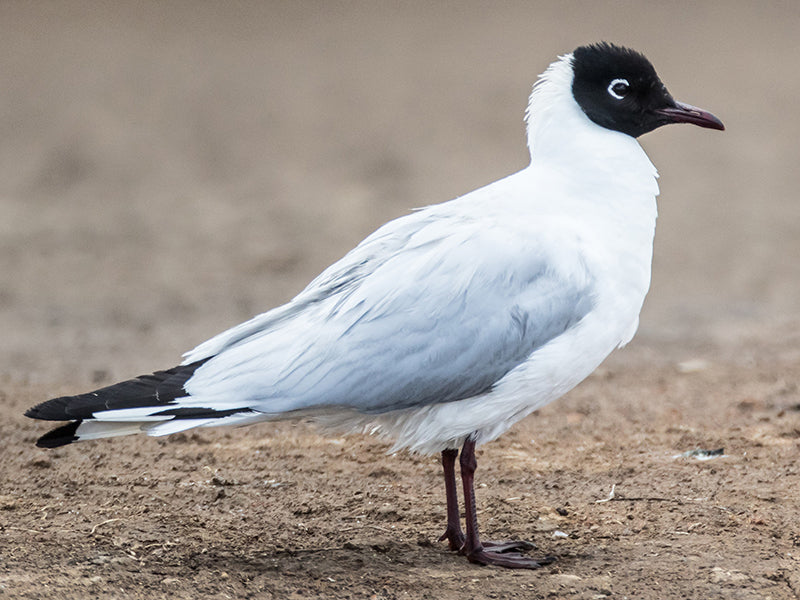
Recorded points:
(455, 539)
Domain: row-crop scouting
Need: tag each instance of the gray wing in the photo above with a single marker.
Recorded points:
(441, 317)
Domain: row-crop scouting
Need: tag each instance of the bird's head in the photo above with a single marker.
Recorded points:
(618, 88)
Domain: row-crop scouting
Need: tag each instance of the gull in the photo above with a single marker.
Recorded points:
(448, 325)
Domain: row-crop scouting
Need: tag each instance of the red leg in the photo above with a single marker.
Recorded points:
(453, 533)
(500, 554)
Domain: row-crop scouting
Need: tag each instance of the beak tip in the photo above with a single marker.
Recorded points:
(686, 113)
(711, 121)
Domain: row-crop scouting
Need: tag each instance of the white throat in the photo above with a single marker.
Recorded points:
(558, 130)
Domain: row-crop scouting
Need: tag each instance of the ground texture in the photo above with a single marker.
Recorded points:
(170, 169)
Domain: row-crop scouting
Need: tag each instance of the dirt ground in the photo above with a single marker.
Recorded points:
(170, 169)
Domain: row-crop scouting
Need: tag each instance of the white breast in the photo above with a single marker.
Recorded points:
(615, 235)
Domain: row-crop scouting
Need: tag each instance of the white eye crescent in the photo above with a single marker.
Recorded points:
(618, 88)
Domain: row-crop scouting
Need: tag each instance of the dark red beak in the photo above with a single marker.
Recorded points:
(686, 113)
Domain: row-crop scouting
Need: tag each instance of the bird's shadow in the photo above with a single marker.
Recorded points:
(345, 560)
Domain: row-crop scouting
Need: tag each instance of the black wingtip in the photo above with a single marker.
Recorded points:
(156, 389)
(56, 409)
(61, 436)
(38, 412)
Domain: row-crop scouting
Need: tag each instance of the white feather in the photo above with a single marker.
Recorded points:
(594, 233)
(458, 319)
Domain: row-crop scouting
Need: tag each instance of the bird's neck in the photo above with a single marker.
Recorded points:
(560, 133)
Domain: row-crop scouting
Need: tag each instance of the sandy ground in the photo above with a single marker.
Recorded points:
(168, 170)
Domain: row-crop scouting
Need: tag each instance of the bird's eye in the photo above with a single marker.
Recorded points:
(619, 88)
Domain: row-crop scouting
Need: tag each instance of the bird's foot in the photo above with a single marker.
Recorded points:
(455, 538)
(503, 555)
(508, 546)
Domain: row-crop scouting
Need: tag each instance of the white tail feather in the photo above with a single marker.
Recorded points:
(95, 430)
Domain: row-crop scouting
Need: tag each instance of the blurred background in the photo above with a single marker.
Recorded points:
(168, 169)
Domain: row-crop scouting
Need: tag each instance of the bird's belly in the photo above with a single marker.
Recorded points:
(547, 374)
